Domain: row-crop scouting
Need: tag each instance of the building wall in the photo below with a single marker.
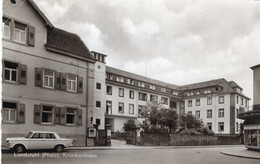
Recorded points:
(203, 107)
(100, 94)
(116, 99)
(256, 85)
(29, 94)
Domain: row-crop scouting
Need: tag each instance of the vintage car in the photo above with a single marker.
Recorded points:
(38, 140)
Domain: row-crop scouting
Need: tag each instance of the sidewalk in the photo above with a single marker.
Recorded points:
(242, 152)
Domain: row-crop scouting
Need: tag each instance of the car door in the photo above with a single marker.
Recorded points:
(50, 140)
(37, 141)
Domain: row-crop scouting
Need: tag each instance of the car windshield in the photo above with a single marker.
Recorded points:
(29, 134)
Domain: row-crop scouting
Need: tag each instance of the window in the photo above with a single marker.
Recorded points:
(236, 112)
(209, 125)
(140, 107)
(197, 102)
(131, 108)
(48, 79)
(221, 113)
(152, 87)
(121, 92)
(164, 100)
(221, 126)
(128, 81)
(6, 30)
(109, 107)
(72, 83)
(209, 113)
(110, 77)
(189, 103)
(175, 93)
(47, 114)
(120, 107)
(221, 99)
(120, 79)
(11, 71)
(38, 135)
(206, 91)
(237, 127)
(163, 89)
(20, 32)
(97, 121)
(173, 104)
(143, 96)
(49, 136)
(133, 82)
(109, 90)
(98, 86)
(242, 101)
(154, 98)
(197, 92)
(237, 100)
(98, 104)
(197, 114)
(246, 105)
(131, 94)
(9, 112)
(209, 101)
(71, 116)
(189, 112)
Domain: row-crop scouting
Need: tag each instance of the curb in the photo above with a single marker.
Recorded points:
(241, 156)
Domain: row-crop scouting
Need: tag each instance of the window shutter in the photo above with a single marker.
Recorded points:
(31, 36)
(79, 117)
(38, 77)
(37, 114)
(63, 85)
(62, 116)
(57, 116)
(22, 74)
(21, 114)
(80, 85)
(58, 80)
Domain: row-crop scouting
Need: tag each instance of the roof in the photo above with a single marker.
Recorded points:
(40, 13)
(234, 84)
(139, 77)
(68, 43)
(203, 84)
(256, 66)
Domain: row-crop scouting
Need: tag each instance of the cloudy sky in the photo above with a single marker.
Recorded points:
(178, 42)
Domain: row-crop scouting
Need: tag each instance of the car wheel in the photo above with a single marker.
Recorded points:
(59, 148)
(19, 148)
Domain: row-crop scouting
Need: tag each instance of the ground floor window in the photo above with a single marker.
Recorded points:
(9, 112)
(221, 126)
(71, 116)
(209, 125)
(47, 114)
(120, 107)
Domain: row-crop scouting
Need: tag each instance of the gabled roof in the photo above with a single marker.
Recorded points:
(139, 77)
(256, 66)
(40, 13)
(234, 84)
(67, 43)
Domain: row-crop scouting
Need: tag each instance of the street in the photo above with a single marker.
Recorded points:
(209, 155)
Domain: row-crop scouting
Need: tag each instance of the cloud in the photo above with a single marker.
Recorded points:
(182, 42)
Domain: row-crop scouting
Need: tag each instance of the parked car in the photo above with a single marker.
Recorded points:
(38, 140)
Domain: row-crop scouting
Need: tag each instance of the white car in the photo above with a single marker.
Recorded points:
(38, 140)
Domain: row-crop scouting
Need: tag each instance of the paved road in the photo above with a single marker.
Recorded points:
(131, 156)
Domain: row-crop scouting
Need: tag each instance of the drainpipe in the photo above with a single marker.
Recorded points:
(87, 81)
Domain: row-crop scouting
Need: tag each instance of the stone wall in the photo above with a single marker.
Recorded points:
(165, 139)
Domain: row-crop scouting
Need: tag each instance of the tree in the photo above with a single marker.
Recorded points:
(158, 117)
(190, 122)
(129, 125)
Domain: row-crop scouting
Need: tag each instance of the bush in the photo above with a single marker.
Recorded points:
(190, 132)
(129, 125)
(206, 131)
